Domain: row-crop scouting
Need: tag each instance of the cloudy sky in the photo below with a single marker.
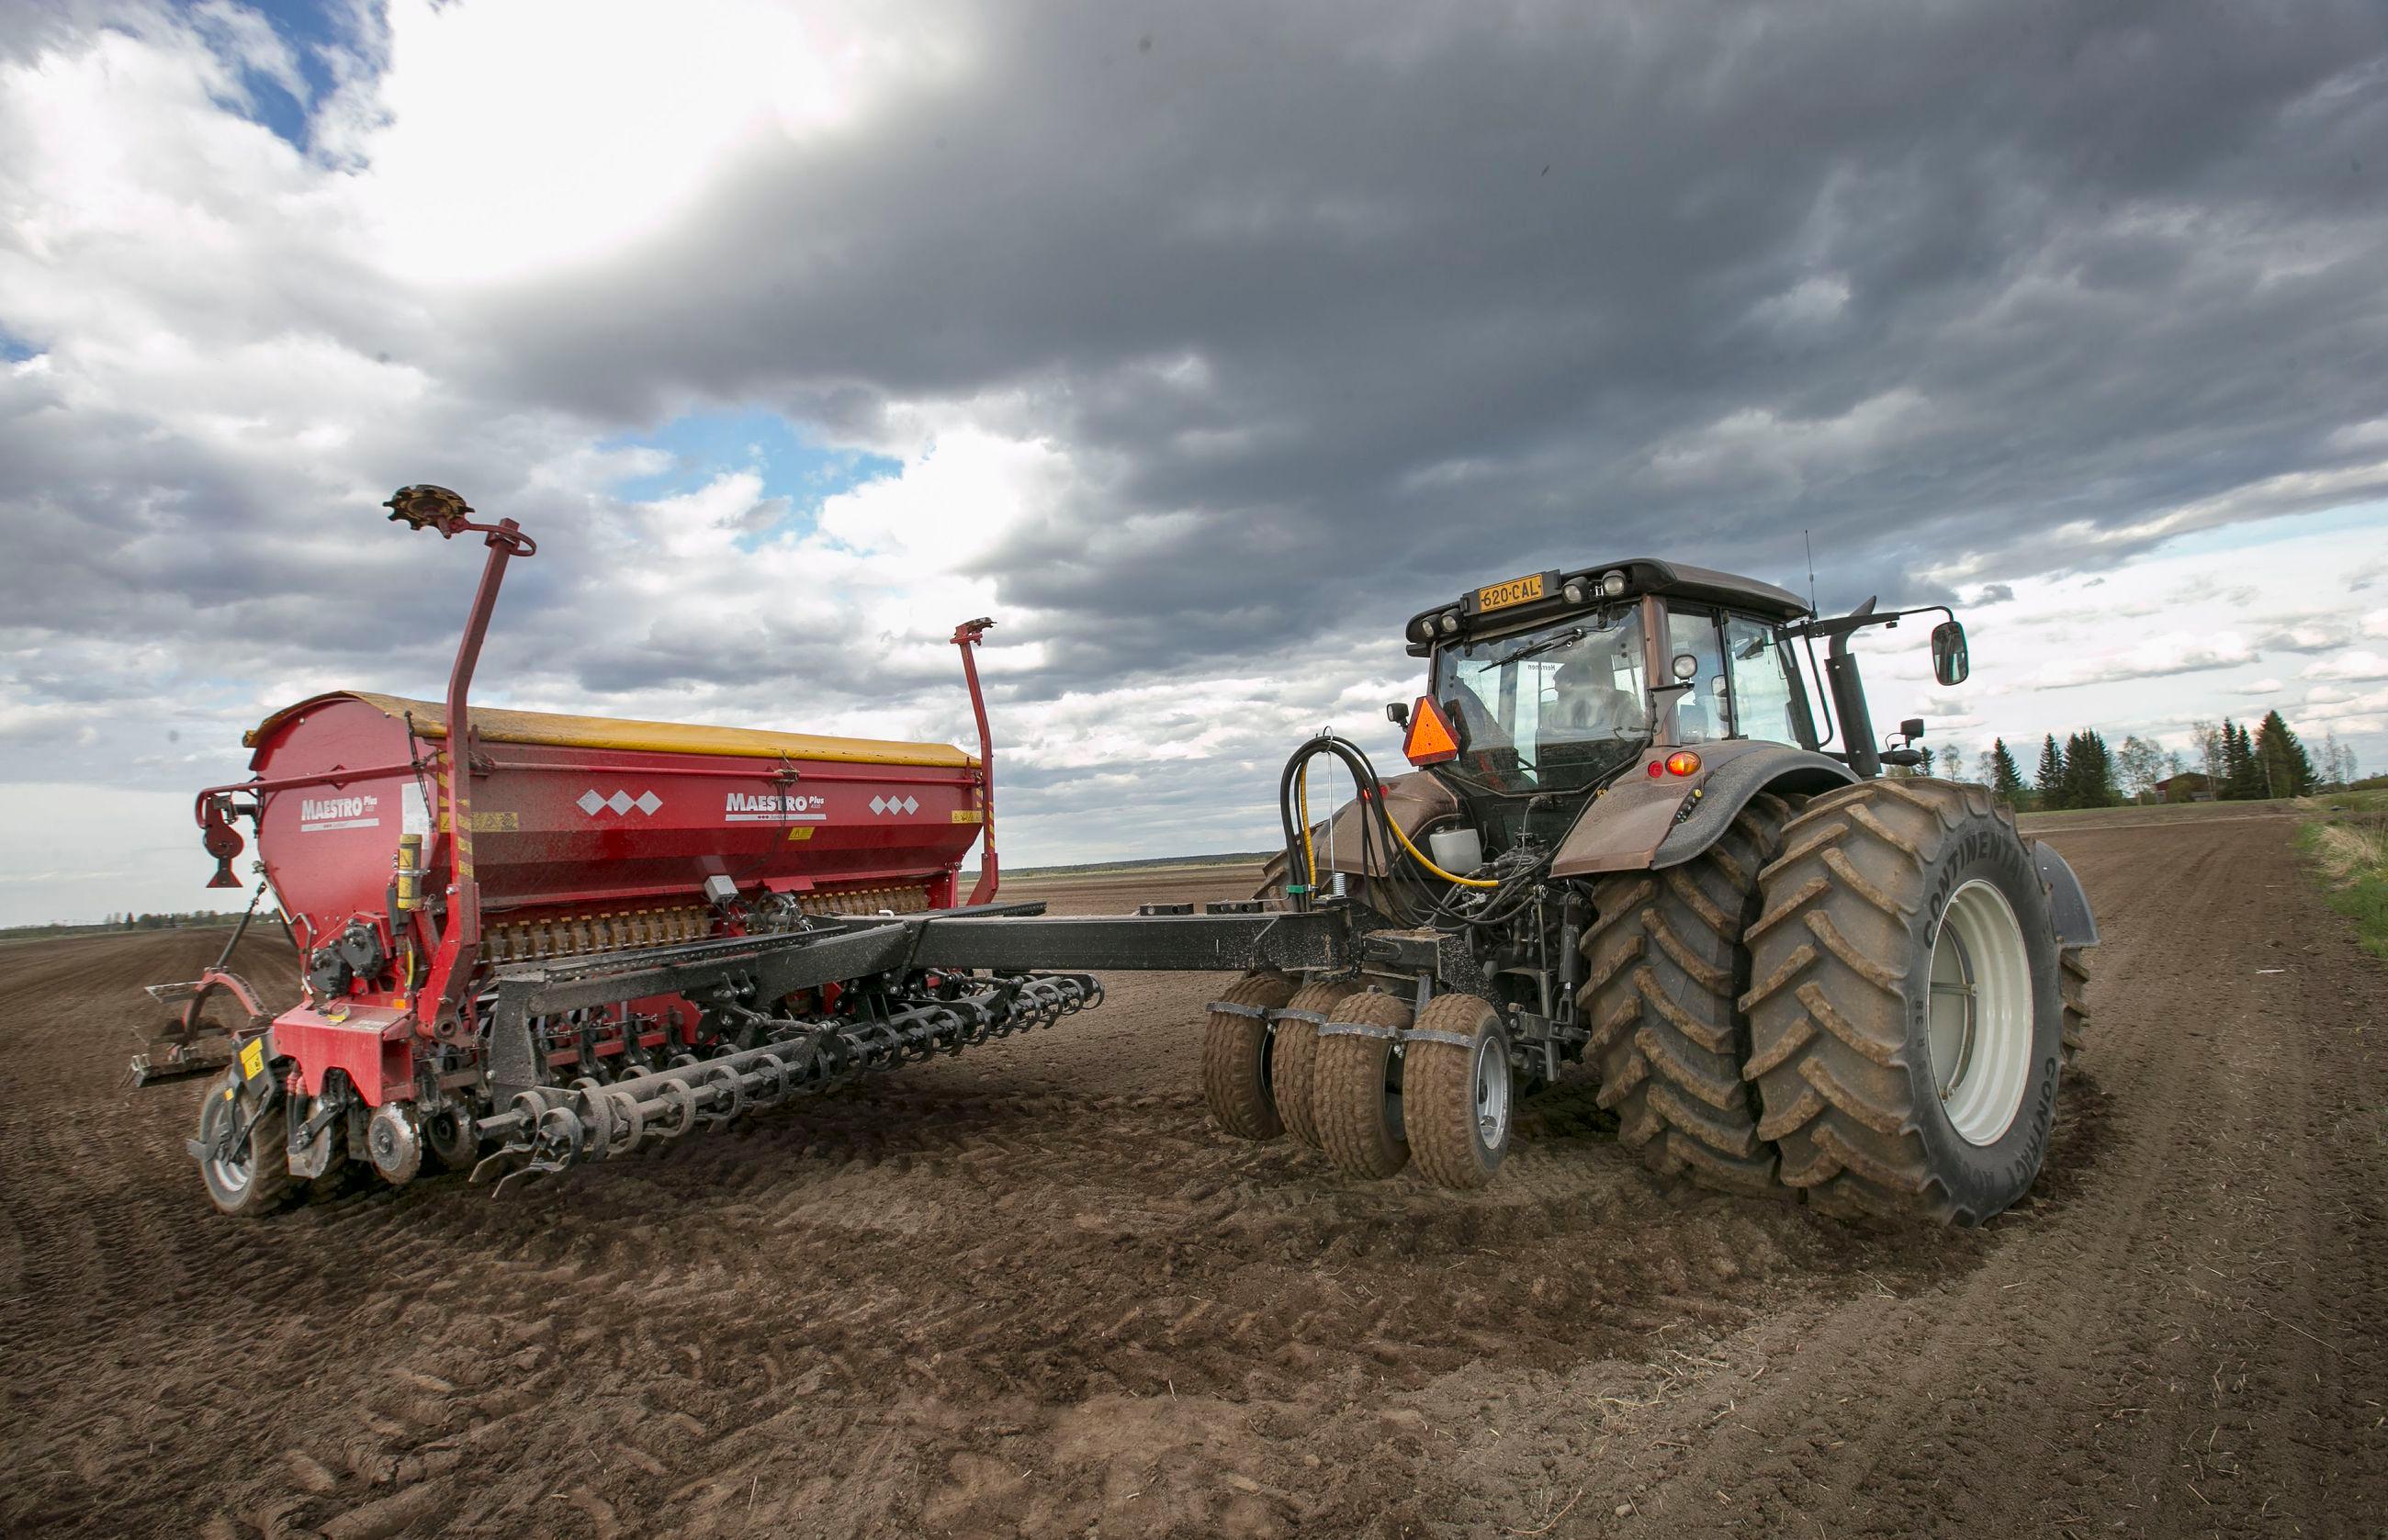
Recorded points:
(1201, 345)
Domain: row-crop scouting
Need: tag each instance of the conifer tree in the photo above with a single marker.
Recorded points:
(2005, 779)
(2050, 781)
(2281, 759)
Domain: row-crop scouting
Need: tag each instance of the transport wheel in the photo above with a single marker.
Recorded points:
(1235, 1054)
(447, 1141)
(253, 1177)
(1665, 972)
(1356, 1096)
(1456, 1096)
(1907, 1018)
(1296, 1062)
(2073, 963)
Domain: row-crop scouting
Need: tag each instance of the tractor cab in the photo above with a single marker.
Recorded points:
(1549, 687)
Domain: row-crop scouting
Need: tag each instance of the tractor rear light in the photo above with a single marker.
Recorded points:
(1682, 762)
(1658, 768)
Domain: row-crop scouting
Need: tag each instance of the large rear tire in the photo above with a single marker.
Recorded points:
(253, 1177)
(1295, 1075)
(1236, 1056)
(1666, 967)
(1906, 1021)
(1457, 1098)
(2075, 963)
(1357, 1099)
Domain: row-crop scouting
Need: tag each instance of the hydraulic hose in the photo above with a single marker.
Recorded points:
(1375, 824)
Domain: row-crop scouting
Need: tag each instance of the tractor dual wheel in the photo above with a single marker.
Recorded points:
(1356, 1094)
(1906, 1015)
(1457, 1092)
(252, 1178)
(1235, 1055)
(1296, 1062)
(1665, 969)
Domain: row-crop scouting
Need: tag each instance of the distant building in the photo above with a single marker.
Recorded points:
(2190, 786)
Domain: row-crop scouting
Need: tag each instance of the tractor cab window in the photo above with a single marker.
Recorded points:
(1766, 696)
(1705, 710)
(1553, 709)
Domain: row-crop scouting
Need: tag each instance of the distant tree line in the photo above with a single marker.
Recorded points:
(2228, 761)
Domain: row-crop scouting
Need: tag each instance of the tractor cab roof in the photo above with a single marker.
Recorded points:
(1540, 597)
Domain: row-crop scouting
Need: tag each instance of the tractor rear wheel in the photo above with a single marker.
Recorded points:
(252, 1178)
(1665, 972)
(1357, 1096)
(1295, 1072)
(2073, 964)
(1906, 1021)
(1236, 1085)
(1457, 1096)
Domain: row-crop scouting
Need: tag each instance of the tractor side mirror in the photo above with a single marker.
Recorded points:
(1949, 663)
(1911, 729)
(1398, 712)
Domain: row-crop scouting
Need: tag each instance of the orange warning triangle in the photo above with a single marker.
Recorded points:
(1431, 739)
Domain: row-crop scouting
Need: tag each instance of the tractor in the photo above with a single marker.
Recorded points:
(1628, 845)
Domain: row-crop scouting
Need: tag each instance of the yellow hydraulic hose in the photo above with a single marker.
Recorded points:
(1310, 854)
(1420, 856)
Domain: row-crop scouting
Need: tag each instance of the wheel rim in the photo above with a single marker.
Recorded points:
(230, 1172)
(1979, 1023)
(1492, 1081)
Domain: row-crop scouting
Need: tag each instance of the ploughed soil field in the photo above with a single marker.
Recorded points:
(1030, 1290)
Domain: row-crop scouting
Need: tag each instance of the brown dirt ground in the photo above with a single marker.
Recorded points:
(1030, 1291)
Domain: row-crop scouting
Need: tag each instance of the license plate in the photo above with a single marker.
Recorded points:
(1518, 590)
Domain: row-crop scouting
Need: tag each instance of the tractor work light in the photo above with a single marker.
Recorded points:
(1451, 623)
(1575, 592)
(1613, 585)
(1682, 762)
(1422, 630)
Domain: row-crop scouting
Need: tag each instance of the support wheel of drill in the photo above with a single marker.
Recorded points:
(252, 1179)
(1237, 1054)
(1456, 1096)
(1358, 1096)
(1296, 1072)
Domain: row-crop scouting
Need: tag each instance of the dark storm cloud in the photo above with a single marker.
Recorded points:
(1331, 311)
(1398, 302)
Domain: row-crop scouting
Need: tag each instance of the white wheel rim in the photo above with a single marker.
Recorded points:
(1492, 1081)
(1979, 1020)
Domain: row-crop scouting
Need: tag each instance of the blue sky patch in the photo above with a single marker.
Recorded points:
(307, 29)
(706, 445)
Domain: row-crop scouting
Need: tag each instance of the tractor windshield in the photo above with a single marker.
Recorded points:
(1551, 710)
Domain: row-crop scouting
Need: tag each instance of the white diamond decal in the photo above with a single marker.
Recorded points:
(591, 802)
(911, 805)
(878, 804)
(620, 802)
(648, 801)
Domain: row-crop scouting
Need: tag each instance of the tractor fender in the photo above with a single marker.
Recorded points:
(2068, 906)
(1640, 824)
